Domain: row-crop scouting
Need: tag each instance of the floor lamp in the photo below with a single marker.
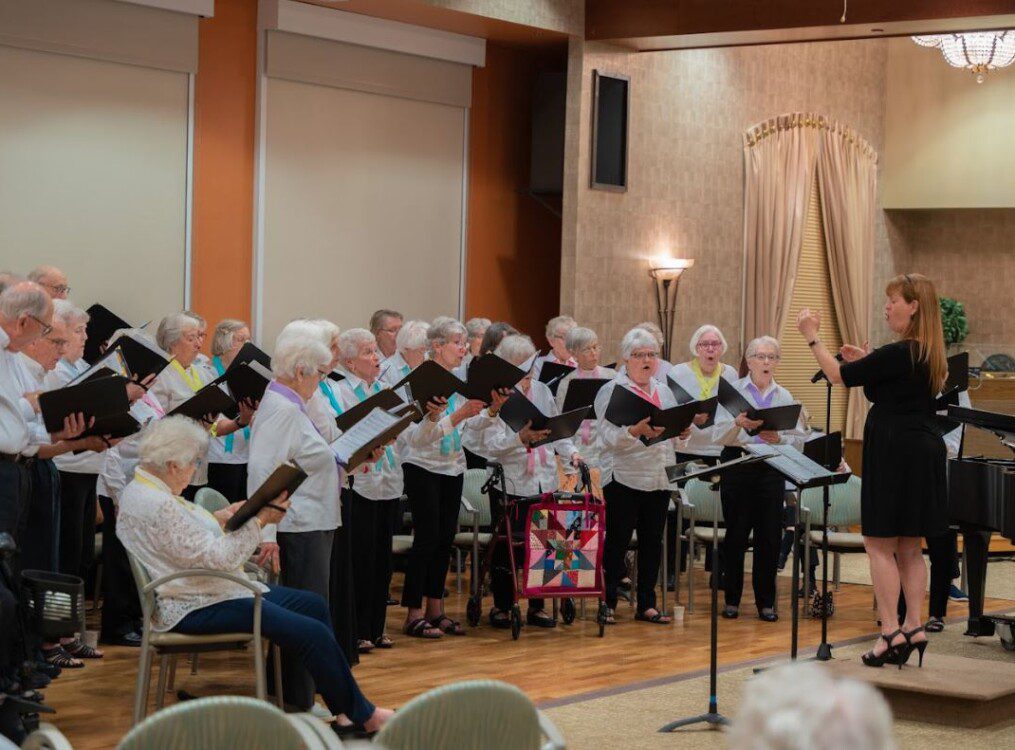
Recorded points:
(666, 273)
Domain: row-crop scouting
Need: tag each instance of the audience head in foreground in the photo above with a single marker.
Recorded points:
(801, 706)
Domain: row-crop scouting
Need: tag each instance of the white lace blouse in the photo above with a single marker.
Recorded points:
(167, 534)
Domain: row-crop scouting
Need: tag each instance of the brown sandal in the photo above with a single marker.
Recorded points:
(446, 625)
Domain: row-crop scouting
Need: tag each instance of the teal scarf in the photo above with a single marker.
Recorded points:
(229, 439)
(454, 440)
(329, 394)
(361, 394)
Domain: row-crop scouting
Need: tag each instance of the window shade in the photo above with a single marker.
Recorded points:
(812, 289)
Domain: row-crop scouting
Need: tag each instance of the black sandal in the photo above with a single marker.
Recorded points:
(58, 657)
(657, 619)
(419, 628)
(80, 650)
(384, 642)
(364, 646)
(500, 619)
(452, 627)
(934, 625)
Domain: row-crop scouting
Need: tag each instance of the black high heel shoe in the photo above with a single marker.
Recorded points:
(910, 646)
(889, 656)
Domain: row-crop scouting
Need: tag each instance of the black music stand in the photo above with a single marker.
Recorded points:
(712, 717)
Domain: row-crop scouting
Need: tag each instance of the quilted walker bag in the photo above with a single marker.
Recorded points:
(564, 547)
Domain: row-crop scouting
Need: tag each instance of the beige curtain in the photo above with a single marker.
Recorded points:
(847, 180)
(779, 159)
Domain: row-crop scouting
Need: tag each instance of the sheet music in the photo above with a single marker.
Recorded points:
(260, 369)
(361, 433)
(789, 461)
(114, 361)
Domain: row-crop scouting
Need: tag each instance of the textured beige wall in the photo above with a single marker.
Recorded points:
(566, 16)
(970, 255)
(688, 112)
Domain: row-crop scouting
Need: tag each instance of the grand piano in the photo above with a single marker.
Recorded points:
(981, 500)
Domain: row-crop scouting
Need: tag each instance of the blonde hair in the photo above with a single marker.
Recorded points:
(925, 325)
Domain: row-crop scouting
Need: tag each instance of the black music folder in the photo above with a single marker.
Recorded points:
(336, 376)
(490, 373)
(209, 400)
(958, 381)
(114, 426)
(679, 393)
(430, 381)
(247, 382)
(102, 324)
(104, 397)
(285, 478)
(774, 417)
(683, 397)
(627, 408)
(386, 399)
(250, 353)
(517, 411)
(552, 373)
(142, 355)
(377, 428)
(581, 392)
(815, 448)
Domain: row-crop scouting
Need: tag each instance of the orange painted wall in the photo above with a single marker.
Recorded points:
(513, 262)
(224, 162)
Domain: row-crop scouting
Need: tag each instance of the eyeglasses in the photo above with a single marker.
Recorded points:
(591, 349)
(392, 331)
(61, 289)
(710, 345)
(322, 374)
(46, 329)
(765, 357)
(645, 355)
(58, 343)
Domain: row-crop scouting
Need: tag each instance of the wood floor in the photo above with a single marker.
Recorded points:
(94, 703)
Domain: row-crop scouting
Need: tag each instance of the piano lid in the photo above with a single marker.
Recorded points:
(1002, 425)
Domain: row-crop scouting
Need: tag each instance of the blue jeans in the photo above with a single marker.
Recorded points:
(299, 622)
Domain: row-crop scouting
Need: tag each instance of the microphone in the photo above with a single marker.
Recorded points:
(820, 374)
(496, 471)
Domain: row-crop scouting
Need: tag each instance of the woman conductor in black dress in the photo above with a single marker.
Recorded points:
(904, 488)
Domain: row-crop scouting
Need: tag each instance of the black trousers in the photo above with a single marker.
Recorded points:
(473, 460)
(15, 496)
(752, 499)
(433, 500)
(343, 586)
(627, 510)
(306, 564)
(371, 532)
(502, 583)
(943, 552)
(40, 526)
(77, 523)
(121, 607)
(229, 479)
(671, 529)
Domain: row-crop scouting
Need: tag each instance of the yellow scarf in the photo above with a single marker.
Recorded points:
(706, 383)
(190, 375)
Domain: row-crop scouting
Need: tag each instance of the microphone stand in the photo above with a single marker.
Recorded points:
(824, 652)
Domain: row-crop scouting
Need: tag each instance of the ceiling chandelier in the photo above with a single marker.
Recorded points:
(979, 51)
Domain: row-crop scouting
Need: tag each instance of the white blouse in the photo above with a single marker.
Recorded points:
(29, 378)
(14, 434)
(437, 446)
(699, 442)
(394, 368)
(590, 445)
(120, 461)
(283, 432)
(528, 472)
(382, 480)
(636, 465)
(725, 432)
(167, 534)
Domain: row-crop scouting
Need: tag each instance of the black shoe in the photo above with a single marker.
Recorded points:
(889, 656)
(392, 602)
(768, 615)
(540, 619)
(132, 638)
(35, 681)
(51, 671)
(500, 619)
(731, 612)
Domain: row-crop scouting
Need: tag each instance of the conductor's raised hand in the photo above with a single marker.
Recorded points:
(808, 322)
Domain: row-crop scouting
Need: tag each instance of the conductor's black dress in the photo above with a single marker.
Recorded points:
(904, 490)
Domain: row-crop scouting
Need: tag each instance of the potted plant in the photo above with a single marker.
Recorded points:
(953, 320)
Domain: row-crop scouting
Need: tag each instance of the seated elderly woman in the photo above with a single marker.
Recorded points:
(180, 336)
(583, 343)
(527, 471)
(638, 495)
(168, 535)
(411, 347)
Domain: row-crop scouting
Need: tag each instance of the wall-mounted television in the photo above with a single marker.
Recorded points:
(610, 117)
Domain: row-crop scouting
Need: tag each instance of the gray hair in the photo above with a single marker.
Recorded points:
(24, 298)
(515, 348)
(8, 279)
(412, 335)
(637, 338)
(799, 706)
(299, 354)
(476, 327)
(377, 319)
(559, 325)
(752, 348)
(302, 327)
(578, 338)
(179, 440)
(350, 341)
(707, 328)
(443, 328)
(68, 312)
(225, 332)
(654, 329)
(331, 330)
(172, 328)
(41, 272)
(201, 322)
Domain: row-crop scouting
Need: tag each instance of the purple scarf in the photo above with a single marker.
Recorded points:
(292, 396)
